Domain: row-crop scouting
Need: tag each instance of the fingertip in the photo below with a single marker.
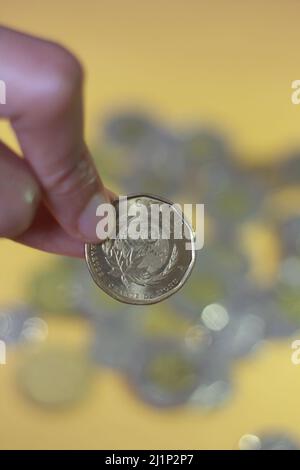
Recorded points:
(87, 222)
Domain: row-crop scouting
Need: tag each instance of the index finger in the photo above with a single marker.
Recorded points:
(44, 104)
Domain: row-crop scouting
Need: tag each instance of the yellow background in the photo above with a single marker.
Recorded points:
(228, 62)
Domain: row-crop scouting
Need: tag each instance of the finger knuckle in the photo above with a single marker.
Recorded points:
(71, 179)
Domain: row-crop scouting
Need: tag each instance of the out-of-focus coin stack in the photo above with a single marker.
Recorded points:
(268, 441)
(245, 287)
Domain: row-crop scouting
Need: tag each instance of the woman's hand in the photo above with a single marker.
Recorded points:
(48, 199)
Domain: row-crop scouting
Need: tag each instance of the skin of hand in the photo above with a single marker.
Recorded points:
(48, 198)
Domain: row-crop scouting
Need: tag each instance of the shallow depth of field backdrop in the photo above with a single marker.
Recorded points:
(227, 63)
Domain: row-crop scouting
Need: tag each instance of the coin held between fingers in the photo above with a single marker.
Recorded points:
(144, 270)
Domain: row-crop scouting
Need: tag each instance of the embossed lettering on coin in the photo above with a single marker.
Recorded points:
(144, 269)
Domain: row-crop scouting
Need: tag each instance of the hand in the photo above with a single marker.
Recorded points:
(48, 199)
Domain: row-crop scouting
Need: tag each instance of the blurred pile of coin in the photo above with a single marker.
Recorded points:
(179, 352)
(268, 441)
(19, 323)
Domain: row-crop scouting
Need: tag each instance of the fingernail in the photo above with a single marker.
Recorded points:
(87, 222)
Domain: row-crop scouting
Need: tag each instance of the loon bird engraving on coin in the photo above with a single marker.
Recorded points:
(150, 268)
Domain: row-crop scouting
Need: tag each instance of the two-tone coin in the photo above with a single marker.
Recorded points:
(164, 373)
(151, 267)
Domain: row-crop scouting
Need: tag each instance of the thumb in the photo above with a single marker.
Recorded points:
(19, 194)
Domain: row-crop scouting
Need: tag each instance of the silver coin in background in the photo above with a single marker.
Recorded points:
(289, 233)
(149, 269)
(272, 441)
(278, 441)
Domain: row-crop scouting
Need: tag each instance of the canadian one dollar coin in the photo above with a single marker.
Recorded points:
(149, 267)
